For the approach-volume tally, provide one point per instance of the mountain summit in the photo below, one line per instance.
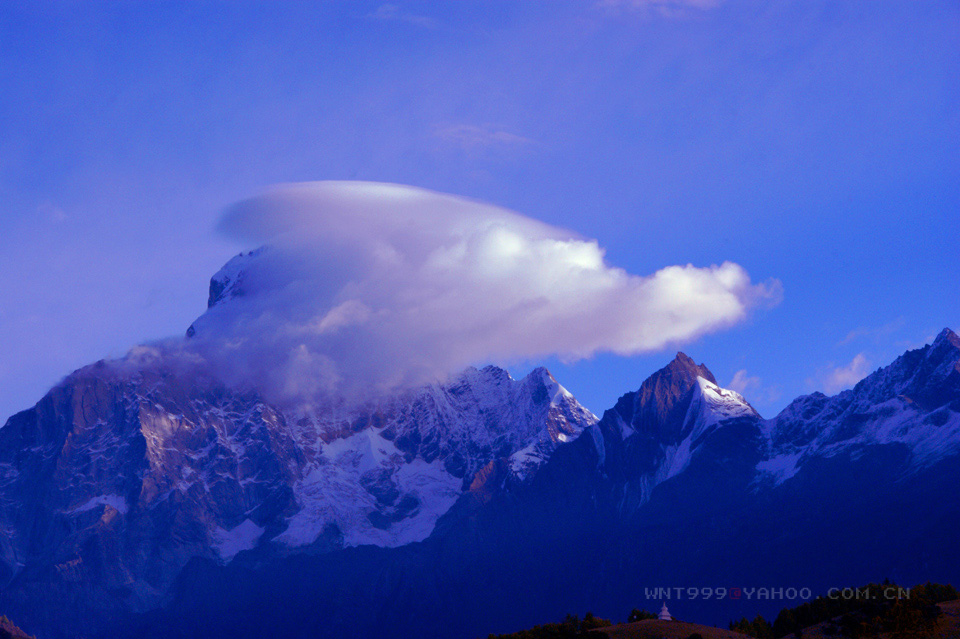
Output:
(655, 409)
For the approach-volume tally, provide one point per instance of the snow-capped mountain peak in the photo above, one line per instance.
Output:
(717, 404)
(556, 393)
(710, 407)
(657, 408)
(387, 484)
(227, 283)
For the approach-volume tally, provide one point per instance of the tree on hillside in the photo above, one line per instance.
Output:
(590, 622)
(639, 615)
(572, 627)
(759, 628)
(906, 613)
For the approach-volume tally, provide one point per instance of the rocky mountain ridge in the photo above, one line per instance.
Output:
(129, 480)
(153, 465)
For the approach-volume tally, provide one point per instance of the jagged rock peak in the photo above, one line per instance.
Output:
(228, 281)
(650, 409)
(662, 390)
(684, 366)
(931, 375)
(947, 341)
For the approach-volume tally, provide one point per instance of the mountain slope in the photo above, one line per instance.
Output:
(134, 485)
(116, 480)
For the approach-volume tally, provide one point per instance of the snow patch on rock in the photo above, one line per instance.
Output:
(228, 543)
(116, 502)
(780, 468)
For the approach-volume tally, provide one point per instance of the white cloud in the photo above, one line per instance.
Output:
(470, 137)
(742, 382)
(50, 212)
(665, 8)
(752, 388)
(378, 285)
(394, 13)
(836, 379)
(874, 333)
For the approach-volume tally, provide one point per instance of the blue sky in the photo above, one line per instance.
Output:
(813, 142)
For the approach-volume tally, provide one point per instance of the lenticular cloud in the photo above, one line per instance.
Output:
(379, 285)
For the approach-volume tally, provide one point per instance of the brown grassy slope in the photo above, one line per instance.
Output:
(948, 626)
(656, 629)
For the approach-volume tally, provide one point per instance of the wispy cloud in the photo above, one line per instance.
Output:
(752, 388)
(394, 13)
(742, 382)
(471, 137)
(50, 212)
(665, 8)
(873, 332)
(911, 344)
(834, 379)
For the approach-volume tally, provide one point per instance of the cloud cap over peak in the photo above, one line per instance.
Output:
(385, 285)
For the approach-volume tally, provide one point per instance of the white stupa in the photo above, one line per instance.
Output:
(664, 613)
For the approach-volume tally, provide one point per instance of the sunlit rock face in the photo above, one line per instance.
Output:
(114, 482)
